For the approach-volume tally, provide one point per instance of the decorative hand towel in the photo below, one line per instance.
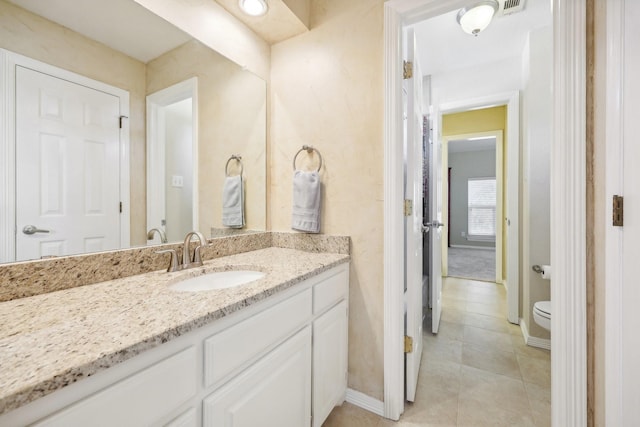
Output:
(306, 201)
(233, 202)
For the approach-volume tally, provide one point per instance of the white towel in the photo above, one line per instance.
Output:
(306, 201)
(233, 202)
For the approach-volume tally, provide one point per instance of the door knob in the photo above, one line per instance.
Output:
(425, 228)
(32, 229)
(434, 224)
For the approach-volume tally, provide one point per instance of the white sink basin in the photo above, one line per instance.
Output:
(217, 280)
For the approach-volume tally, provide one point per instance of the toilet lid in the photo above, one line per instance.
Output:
(543, 308)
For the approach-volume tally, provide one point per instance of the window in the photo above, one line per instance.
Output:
(482, 209)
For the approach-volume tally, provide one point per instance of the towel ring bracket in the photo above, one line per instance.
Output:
(237, 158)
(309, 149)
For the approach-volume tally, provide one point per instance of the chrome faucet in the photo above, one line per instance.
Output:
(163, 237)
(187, 260)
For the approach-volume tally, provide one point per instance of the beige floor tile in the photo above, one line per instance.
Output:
(482, 386)
(496, 310)
(437, 407)
(492, 360)
(349, 415)
(486, 338)
(529, 351)
(453, 316)
(453, 331)
(491, 323)
(473, 371)
(540, 401)
(535, 371)
(514, 330)
(455, 304)
(442, 348)
(474, 412)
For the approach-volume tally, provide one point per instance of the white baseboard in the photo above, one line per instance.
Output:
(484, 248)
(365, 402)
(534, 341)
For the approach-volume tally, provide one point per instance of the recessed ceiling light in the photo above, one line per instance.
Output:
(254, 7)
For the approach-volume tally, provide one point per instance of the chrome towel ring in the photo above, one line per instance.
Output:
(237, 158)
(309, 149)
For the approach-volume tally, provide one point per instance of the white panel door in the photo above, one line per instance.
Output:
(67, 167)
(413, 222)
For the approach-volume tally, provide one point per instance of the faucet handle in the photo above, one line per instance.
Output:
(173, 261)
(197, 257)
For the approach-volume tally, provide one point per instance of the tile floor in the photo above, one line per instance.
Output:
(476, 372)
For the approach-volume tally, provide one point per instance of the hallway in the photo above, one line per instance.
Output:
(476, 372)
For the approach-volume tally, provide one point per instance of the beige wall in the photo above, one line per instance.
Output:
(30, 35)
(327, 91)
(231, 120)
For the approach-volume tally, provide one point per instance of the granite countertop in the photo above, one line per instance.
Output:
(51, 340)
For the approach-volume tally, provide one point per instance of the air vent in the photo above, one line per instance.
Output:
(509, 7)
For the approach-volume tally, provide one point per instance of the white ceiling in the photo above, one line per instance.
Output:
(463, 145)
(443, 46)
(123, 25)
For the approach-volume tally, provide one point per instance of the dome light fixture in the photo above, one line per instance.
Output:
(254, 7)
(477, 17)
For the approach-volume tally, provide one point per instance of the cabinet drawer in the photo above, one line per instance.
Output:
(138, 400)
(226, 352)
(331, 290)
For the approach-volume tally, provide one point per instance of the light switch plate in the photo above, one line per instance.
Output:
(177, 181)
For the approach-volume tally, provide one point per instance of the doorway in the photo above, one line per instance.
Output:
(473, 247)
(568, 177)
(172, 159)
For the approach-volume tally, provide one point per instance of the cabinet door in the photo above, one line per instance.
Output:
(274, 392)
(330, 341)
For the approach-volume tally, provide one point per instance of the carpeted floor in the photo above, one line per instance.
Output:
(476, 264)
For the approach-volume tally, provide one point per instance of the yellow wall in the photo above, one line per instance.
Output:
(327, 91)
(484, 120)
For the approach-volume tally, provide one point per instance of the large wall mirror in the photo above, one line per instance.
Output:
(176, 110)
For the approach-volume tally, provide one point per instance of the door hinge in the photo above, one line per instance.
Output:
(407, 70)
(618, 211)
(120, 120)
(408, 344)
(120, 207)
(408, 207)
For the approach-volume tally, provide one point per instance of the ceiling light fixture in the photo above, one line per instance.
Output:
(254, 7)
(477, 17)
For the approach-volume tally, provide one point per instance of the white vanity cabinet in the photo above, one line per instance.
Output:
(280, 362)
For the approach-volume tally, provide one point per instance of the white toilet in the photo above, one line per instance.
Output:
(542, 309)
(542, 314)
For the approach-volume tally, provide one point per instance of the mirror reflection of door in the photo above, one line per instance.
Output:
(171, 160)
(67, 143)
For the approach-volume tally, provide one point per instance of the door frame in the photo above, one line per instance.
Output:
(156, 103)
(500, 199)
(568, 205)
(8, 62)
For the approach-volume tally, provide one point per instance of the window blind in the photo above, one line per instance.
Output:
(482, 207)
